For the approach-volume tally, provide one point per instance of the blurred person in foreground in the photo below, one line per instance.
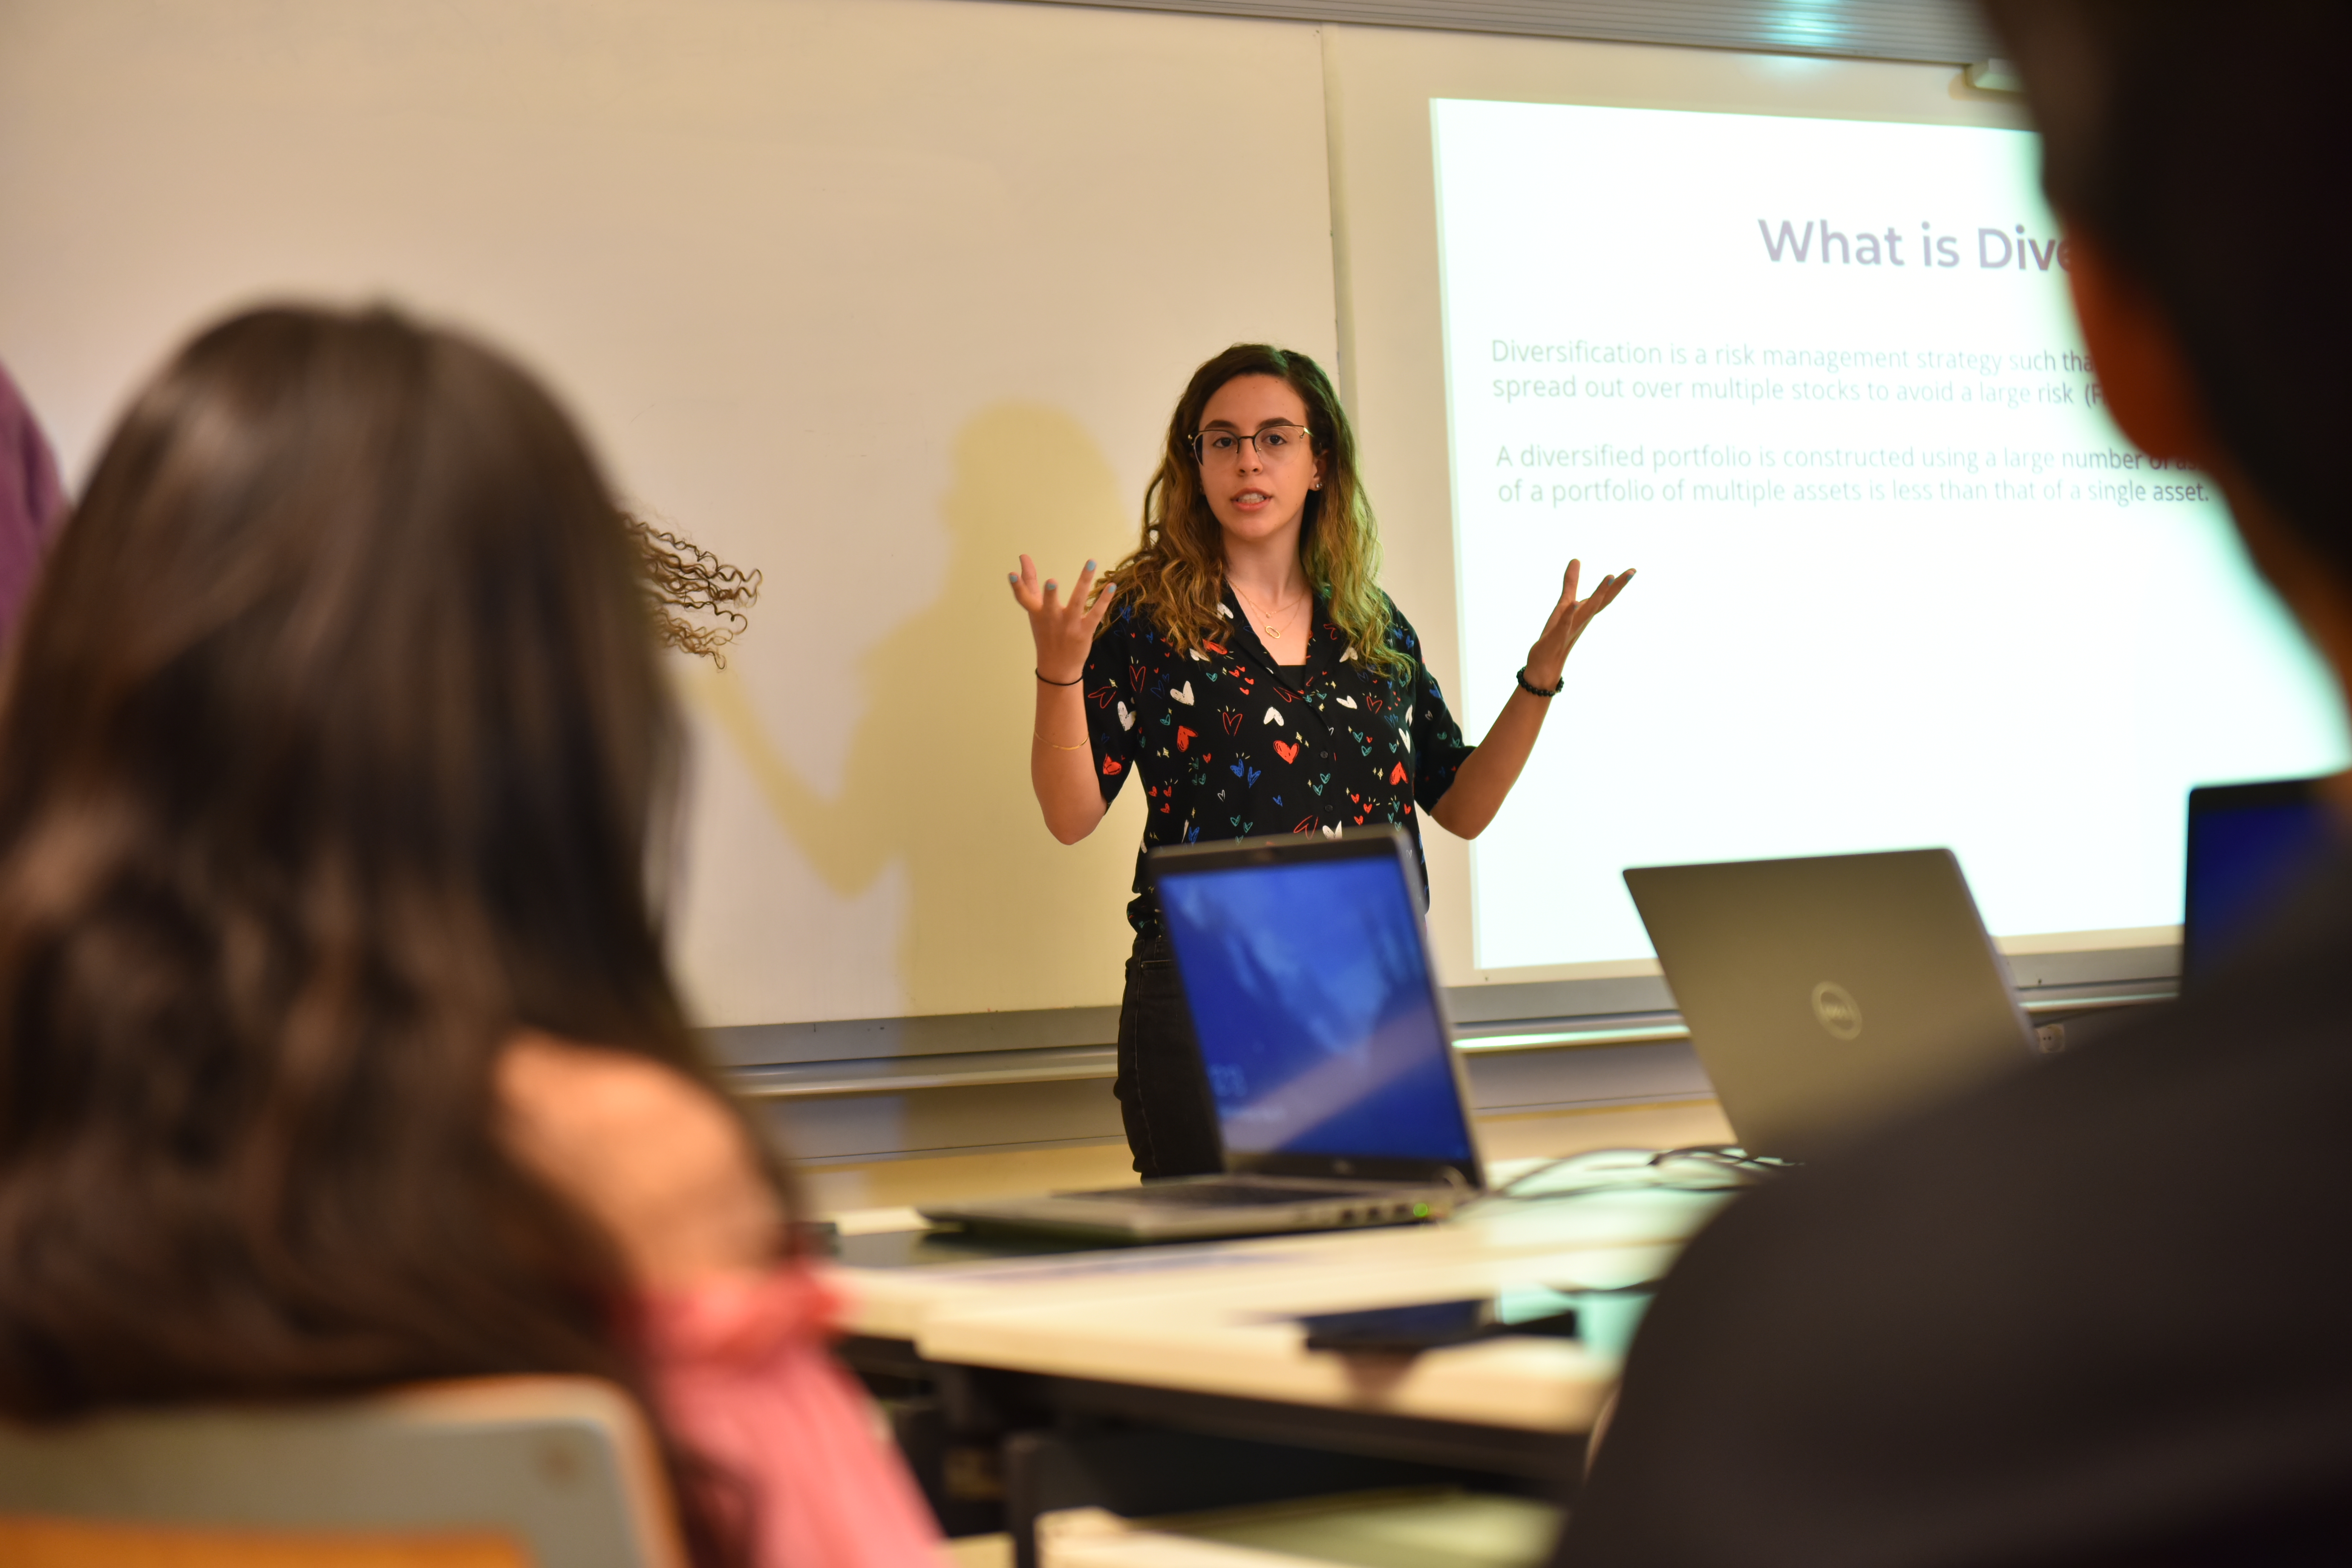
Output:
(2098, 1312)
(337, 1048)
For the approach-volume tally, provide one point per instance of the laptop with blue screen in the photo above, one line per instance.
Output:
(1322, 1034)
(2251, 847)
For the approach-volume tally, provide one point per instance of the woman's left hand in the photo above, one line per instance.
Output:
(1487, 773)
(1569, 618)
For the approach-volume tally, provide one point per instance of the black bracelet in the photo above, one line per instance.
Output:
(1082, 675)
(1533, 691)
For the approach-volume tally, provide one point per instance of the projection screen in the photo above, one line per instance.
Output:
(1791, 338)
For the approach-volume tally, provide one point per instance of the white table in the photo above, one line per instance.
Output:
(1203, 1341)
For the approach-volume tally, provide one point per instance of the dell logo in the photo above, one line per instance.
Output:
(1834, 1006)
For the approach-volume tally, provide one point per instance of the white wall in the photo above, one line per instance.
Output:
(870, 294)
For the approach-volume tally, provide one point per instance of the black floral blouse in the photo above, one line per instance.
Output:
(1232, 745)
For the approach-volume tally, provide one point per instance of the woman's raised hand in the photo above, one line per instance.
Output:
(1064, 632)
(1569, 618)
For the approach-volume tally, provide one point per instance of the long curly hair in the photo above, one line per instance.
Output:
(1177, 573)
(685, 577)
(331, 749)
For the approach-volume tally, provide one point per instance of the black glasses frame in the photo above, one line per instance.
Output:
(1201, 453)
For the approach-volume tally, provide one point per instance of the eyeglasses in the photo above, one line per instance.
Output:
(1275, 444)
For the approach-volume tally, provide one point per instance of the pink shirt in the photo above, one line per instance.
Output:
(744, 1378)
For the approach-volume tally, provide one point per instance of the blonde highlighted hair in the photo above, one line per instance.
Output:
(1177, 573)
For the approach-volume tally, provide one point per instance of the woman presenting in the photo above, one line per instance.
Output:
(1245, 661)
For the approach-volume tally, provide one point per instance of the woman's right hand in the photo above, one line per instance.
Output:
(1061, 763)
(1065, 633)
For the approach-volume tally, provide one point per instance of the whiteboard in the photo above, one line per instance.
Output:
(869, 294)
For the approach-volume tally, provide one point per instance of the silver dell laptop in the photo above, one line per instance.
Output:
(1323, 1038)
(1831, 995)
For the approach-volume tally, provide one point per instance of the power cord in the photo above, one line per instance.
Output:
(1694, 1168)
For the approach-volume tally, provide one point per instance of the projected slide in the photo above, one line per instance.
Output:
(1902, 583)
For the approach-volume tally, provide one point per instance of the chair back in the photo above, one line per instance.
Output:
(486, 1473)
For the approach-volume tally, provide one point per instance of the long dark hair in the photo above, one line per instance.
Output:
(1177, 572)
(330, 755)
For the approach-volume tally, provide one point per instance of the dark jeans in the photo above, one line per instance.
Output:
(1164, 1096)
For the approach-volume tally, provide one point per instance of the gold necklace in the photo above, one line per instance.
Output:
(1265, 618)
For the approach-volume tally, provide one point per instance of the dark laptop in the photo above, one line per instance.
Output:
(1831, 993)
(1323, 1037)
(2249, 846)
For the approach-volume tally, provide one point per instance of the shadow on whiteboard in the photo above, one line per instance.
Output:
(1000, 916)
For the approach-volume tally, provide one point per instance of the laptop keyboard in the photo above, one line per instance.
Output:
(1215, 1195)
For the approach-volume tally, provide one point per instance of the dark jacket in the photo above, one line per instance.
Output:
(2099, 1312)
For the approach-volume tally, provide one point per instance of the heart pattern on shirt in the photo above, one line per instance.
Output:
(1369, 764)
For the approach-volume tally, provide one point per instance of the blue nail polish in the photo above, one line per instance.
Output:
(1090, 565)
(1051, 585)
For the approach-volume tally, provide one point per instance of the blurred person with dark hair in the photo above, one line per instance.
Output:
(337, 1047)
(2095, 1313)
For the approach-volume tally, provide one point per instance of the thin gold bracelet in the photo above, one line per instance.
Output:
(1057, 745)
